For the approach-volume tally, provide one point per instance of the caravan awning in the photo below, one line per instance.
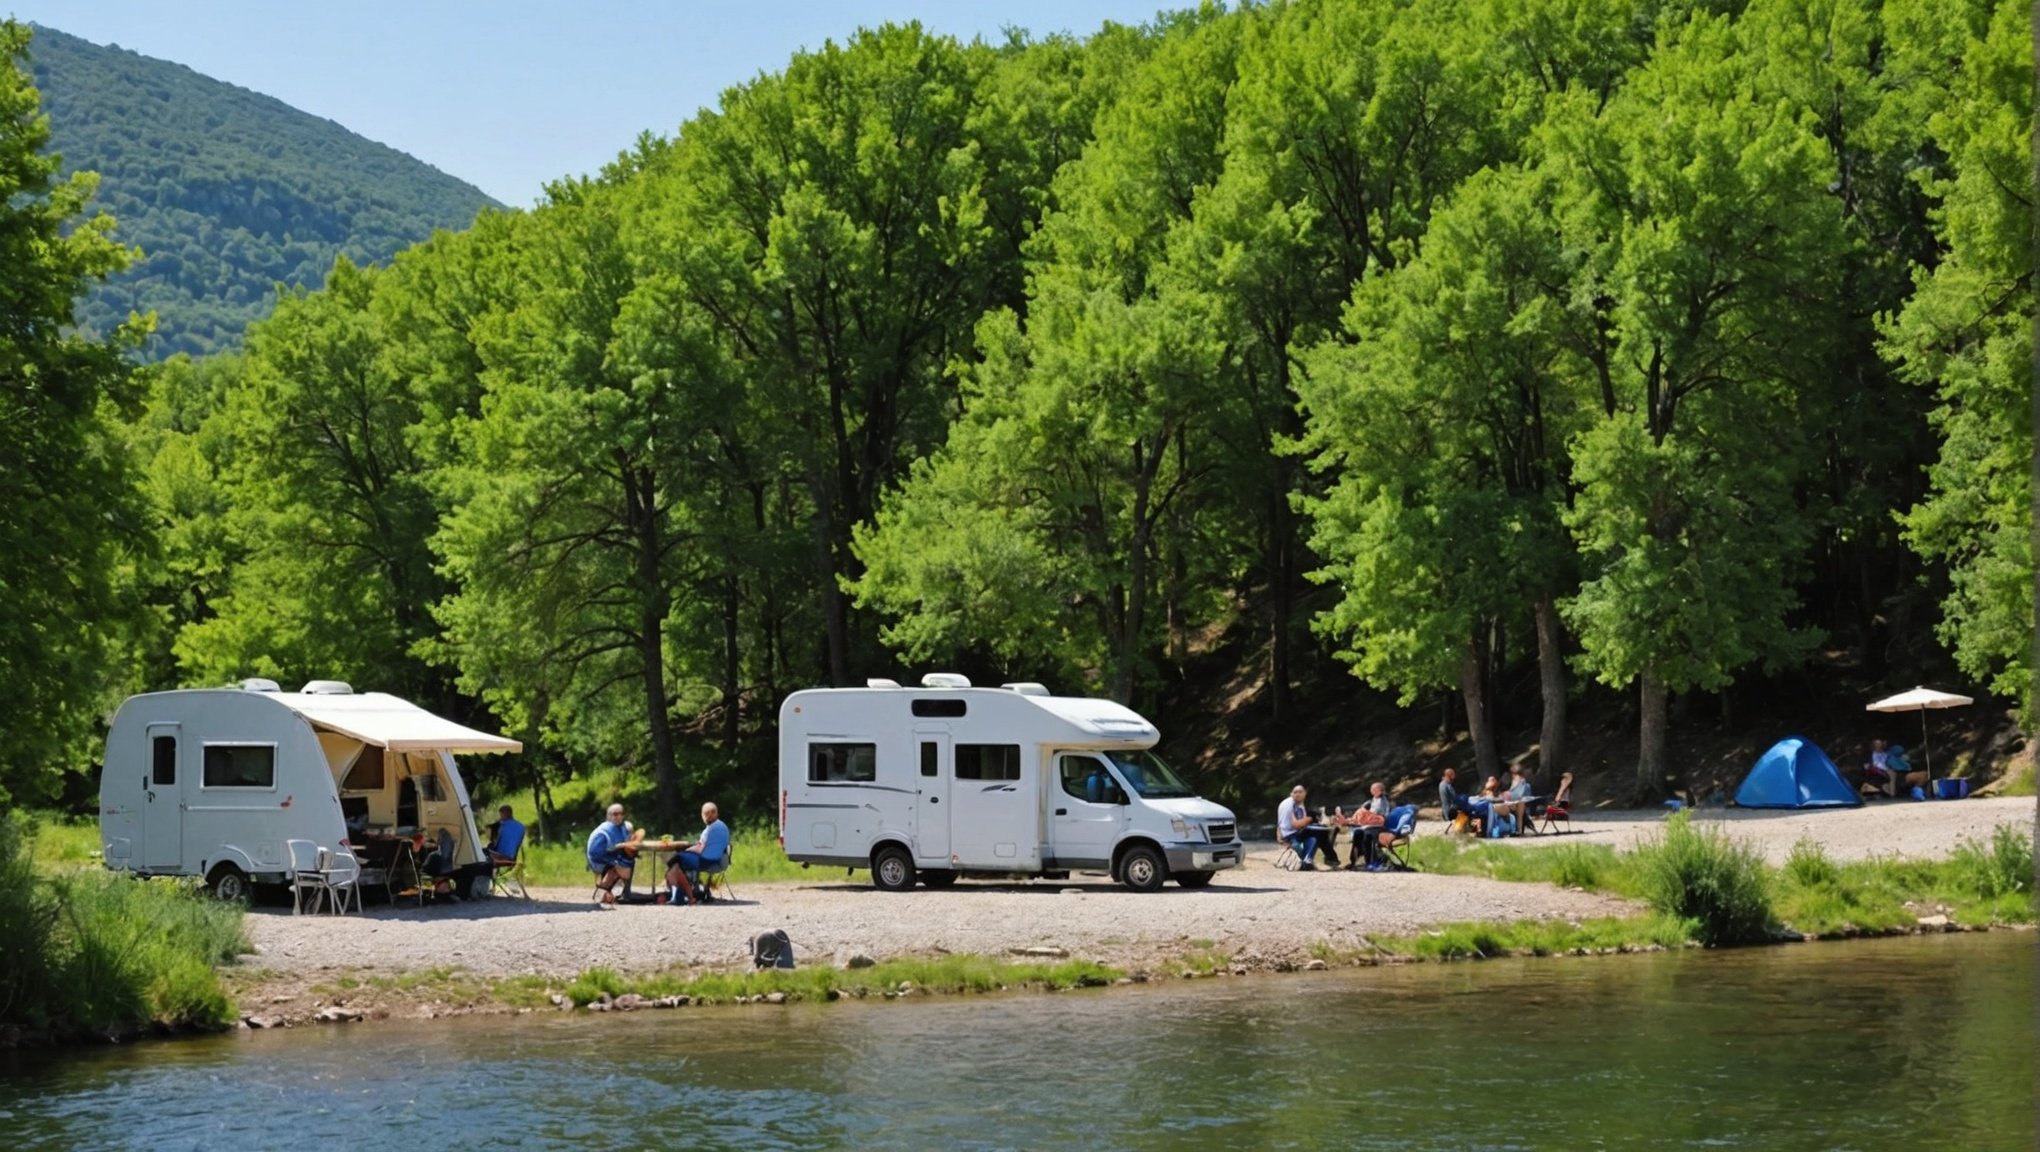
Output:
(389, 722)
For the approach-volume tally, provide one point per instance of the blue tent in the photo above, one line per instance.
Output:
(1795, 773)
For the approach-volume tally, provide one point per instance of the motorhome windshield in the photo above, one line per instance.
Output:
(1145, 773)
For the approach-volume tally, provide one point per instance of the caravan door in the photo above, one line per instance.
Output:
(163, 801)
(994, 814)
(931, 821)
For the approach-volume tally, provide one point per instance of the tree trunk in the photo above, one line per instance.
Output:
(642, 506)
(733, 664)
(1552, 686)
(1651, 757)
(1281, 562)
(1487, 761)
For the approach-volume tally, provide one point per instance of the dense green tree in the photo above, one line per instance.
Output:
(68, 507)
(1966, 334)
(1709, 254)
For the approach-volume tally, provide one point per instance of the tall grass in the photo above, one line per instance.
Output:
(88, 952)
(1713, 880)
(755, 857)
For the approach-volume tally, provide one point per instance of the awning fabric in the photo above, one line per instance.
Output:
(389, 722)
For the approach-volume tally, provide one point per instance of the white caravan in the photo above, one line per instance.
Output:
(215, 782)
(948, 780)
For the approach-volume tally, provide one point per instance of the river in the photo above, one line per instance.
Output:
(1900, 1044)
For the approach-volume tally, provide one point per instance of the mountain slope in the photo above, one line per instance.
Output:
(227, 192)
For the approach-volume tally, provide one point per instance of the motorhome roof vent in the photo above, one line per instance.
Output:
(328, 688)
(1027, 688)
(258, 684)
(945, 680)
(880, 682)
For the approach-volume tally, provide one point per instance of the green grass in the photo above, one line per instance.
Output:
(2020, 783)
(1482, 940)
(85, 952)
(948, 975)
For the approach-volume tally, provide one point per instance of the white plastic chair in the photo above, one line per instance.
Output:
(342, 875)
(308, 875)
(1287, 859)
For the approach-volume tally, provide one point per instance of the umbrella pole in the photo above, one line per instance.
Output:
(1926, 752)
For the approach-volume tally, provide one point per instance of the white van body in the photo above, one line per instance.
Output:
(216, 782)
(949, 780)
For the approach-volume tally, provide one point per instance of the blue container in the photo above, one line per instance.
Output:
(1951, 789)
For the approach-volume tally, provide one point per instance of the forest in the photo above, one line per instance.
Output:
(226, 193)
(1633, 346)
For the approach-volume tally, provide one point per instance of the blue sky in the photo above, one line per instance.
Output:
(511, 94)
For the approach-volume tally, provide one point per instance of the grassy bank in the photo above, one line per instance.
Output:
(1717, 887)
(86, 953)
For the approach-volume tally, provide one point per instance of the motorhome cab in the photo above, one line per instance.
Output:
(947, 780)
(217, 782)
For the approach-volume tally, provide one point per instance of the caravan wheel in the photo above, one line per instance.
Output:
(892, 869)
(229, 883)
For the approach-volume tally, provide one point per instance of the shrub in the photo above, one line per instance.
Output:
(1707, 878)
(1809, 865)
(2004, 867)
(130, 952)
(25, 916)
(1581, 865)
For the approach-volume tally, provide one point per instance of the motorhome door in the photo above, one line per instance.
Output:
(1088, 811)
(163, 800)
(931, 820)
(994, 818)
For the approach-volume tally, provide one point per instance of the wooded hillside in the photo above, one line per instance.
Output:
(228, 193)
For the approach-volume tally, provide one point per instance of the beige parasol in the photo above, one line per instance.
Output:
(1920, 699)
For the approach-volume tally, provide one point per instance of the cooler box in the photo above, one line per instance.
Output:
(1952, 789)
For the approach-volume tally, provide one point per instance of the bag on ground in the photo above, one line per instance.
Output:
(772, 949)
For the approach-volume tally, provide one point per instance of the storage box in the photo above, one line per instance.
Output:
(1951, 789)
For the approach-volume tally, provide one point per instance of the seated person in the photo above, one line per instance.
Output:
(1452, 803)
(1296, 828)
(712, 852)
(612, 853)
(1877, 772)
(1365, 826)
(1903, 774)
(1515, 803)
(506, 836)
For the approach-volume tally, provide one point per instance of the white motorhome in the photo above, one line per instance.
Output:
(948, 780)
(217, 782)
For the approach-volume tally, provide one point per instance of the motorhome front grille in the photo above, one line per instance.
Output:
(1219, 833)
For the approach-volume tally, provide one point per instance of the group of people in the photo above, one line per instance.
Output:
(612, 857)
(1494, 810)
(1367, 828)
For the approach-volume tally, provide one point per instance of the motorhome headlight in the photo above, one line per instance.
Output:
(1185, 829)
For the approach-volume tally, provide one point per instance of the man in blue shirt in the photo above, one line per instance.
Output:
(507, 838)
(612, 853)
(712, 852)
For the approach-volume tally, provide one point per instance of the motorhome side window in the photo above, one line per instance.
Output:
(240, 766)
(947, 709)
(987, 761)
(842, 763)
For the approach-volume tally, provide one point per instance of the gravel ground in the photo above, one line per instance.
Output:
(1256, 910)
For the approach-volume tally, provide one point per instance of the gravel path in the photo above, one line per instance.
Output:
(1256, 910)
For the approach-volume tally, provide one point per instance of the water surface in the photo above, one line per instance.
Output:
(1901, 1044)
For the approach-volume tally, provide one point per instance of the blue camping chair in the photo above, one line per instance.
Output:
(1402, 823)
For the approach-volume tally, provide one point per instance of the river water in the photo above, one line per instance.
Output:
(1908, 1044)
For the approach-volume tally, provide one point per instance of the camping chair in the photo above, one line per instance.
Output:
(508, 879)
(1559, 807)
(343, 879)
(1402, 822)
(308, 876)
(1287, 859)
(714, 880)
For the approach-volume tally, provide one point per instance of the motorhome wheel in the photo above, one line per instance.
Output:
(938, 877)
(892, 869)
(1142, 869)
(228, 883)
(1194, 879)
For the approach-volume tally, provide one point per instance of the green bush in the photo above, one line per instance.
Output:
(26, 913)
(1581, 866)
(2004, 867)
(1707, 878)
(1809, 865)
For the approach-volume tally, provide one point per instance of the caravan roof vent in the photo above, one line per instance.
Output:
(880, 682)
(258, 684)
(945, 680)
(1027, 688)
(328, 688)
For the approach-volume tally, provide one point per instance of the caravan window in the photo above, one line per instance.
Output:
(987, 761)
(240, 765)
(164, 770)
(367, 773)
(842, 763)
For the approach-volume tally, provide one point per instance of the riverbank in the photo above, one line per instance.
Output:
(509, 955)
